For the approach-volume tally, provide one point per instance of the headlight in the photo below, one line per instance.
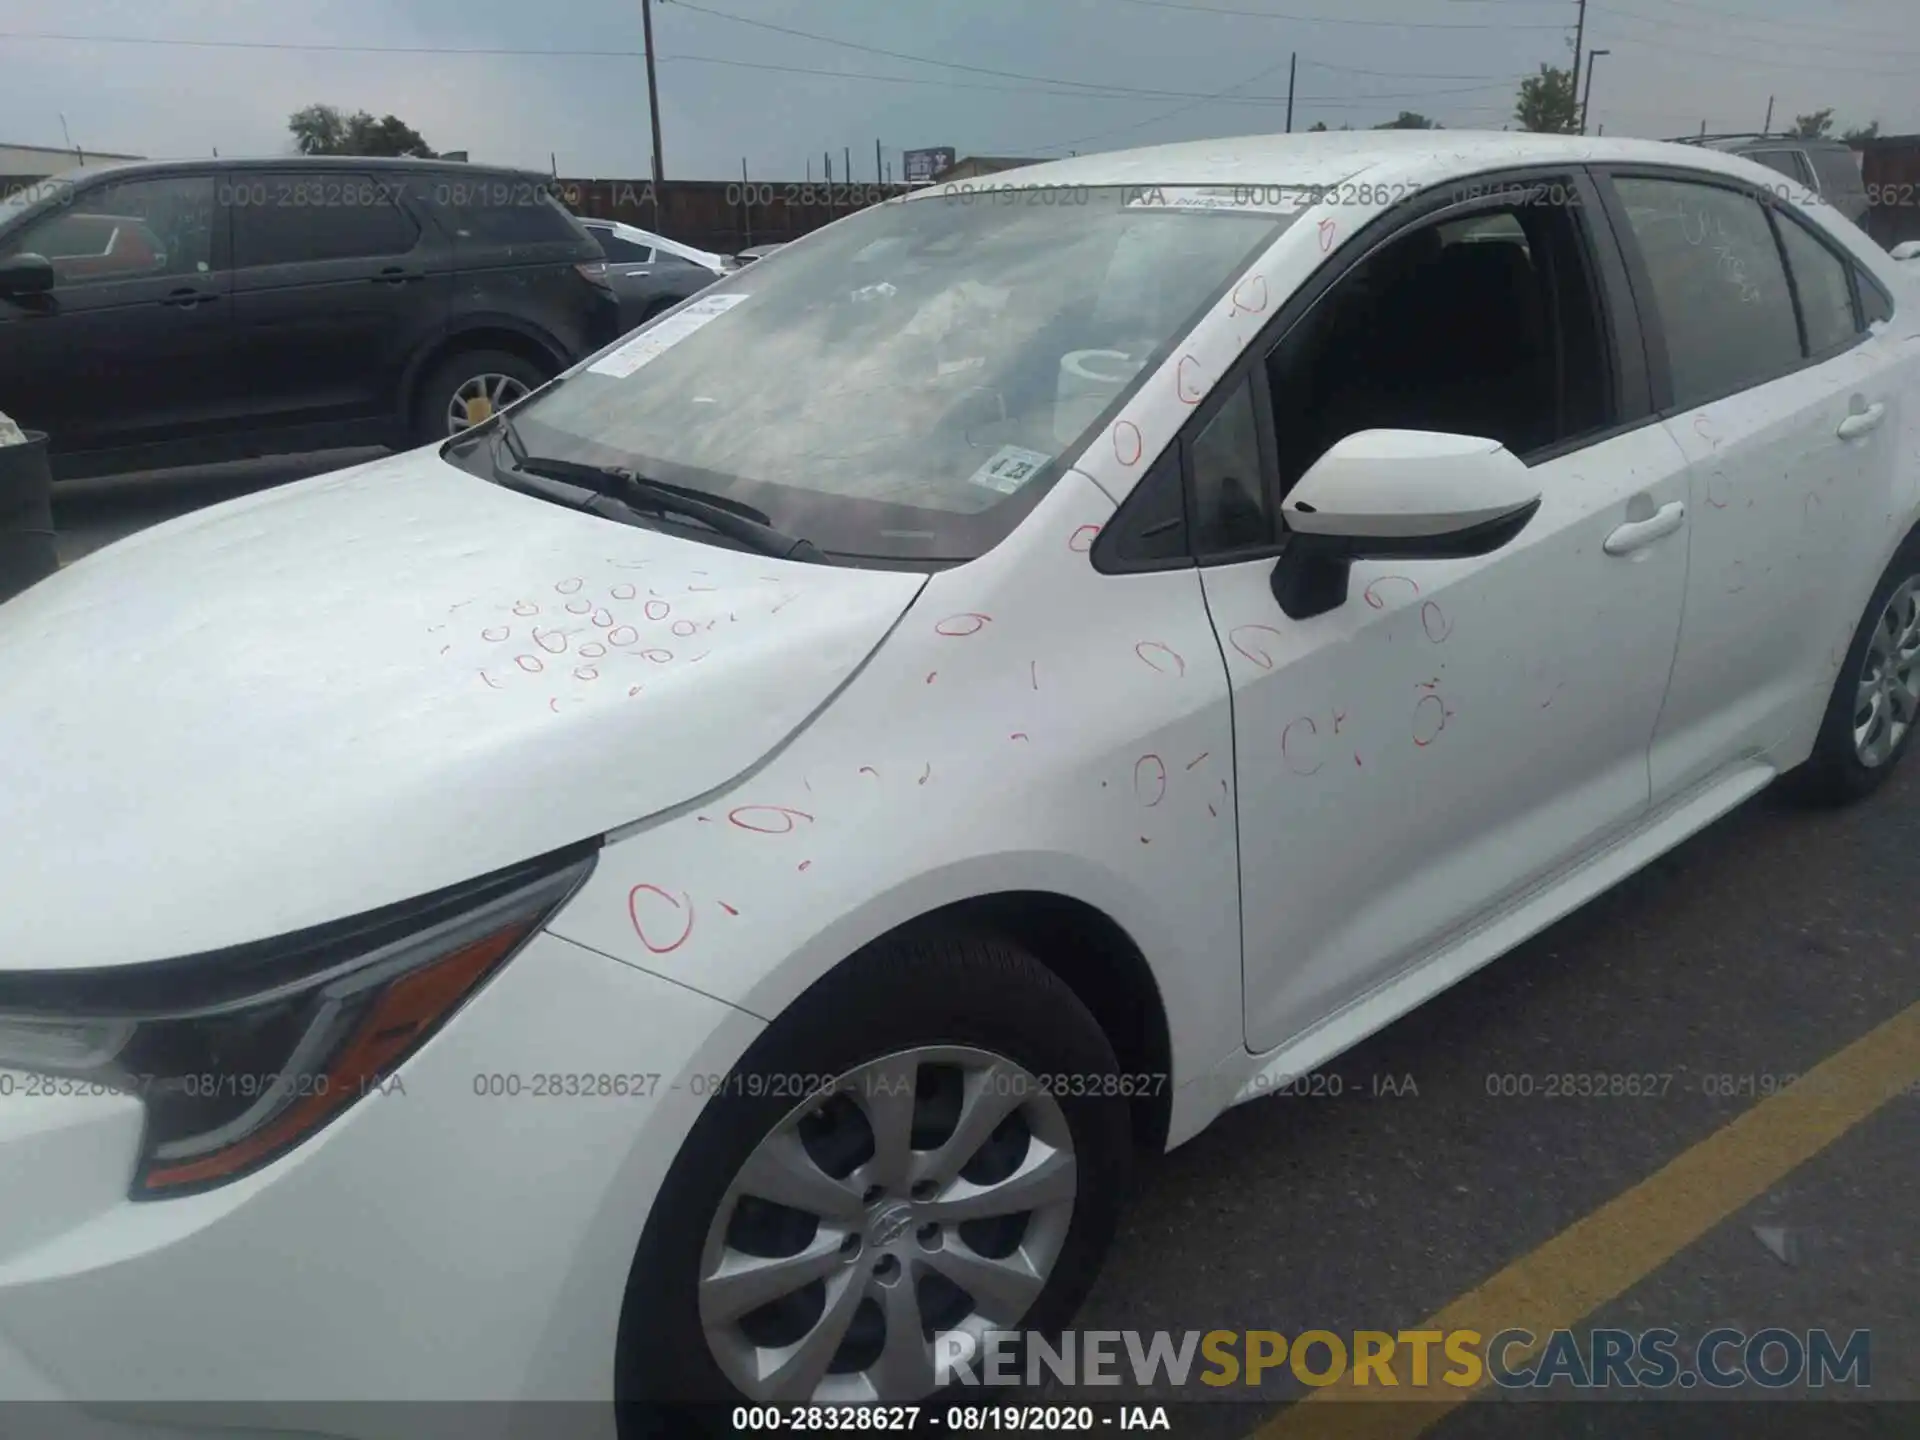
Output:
(242, 1054)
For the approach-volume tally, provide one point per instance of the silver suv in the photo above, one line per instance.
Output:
(1829, 168)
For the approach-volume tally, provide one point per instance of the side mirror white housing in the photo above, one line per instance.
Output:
(1397, 494)
(1906, 250)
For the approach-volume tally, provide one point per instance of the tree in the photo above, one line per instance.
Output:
(1409, 120)
(327, 130)
(1814, 126)
(1546, 102)
(1317, 125)
(1861, 133)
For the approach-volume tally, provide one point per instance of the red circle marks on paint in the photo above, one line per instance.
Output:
(804, 865)
(1187, 388)
(661, 926)
(660, 614)
(1146, 645)
(1372, 593)
(524, 608)
(1287, 742)
(1081, 546)
(1717, 488)
(926, 774)
(1434, 621)
(603, 619)
(1020, 735)
(569, 587)
(1033, 673)
(585, 672)
(529, 663)
(494, 634)
(869, 770)
(632, 690)
(726, 907)
(690, 628)
(1328, 230)
(768, 819)
(1428, 723)
(1258, 652)
(553, 704)
(559, 645)
(492, 684)
(655, 654)
(1150, 775)
(621, 635)
(1127, 444)
(592, 652)
(624, 592)
(579, 607)
(1704, 430)
(1250, 296)
(930, 675)
(702, 589)
(967, 623)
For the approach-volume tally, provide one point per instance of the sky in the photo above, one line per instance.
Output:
(1034, 78)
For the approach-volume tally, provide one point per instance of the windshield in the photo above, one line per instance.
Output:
(905, 384)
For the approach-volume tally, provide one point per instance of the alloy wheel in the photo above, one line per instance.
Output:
(1887, 696)
(479, 398)
(925, 1192)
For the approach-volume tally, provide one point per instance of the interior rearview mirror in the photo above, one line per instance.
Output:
(1399, 495)
(26, 274)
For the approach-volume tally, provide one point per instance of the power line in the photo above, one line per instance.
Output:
(1694, 27)
(1165, 115)
(1327, 19)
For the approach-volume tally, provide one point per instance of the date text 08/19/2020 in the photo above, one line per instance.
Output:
(951, 1420)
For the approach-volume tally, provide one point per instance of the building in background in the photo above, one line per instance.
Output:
(920, 166)
(40, 161)
(974, 166)
(1890, 168)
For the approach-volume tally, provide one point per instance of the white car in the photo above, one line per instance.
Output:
(694, 887)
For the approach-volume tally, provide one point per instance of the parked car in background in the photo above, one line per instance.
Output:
(651, 273)
(159, 313)
(757, 252)
(1829, 168)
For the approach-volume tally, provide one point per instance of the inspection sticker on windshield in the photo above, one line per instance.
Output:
(1009, 469)
(655, 340)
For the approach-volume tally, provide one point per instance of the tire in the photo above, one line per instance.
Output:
(955, 990)
(450, 376)
(1837, 773)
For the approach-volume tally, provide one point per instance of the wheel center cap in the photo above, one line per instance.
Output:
(890, 1222)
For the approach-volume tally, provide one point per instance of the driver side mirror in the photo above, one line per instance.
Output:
(1397, 495)
(1906, 250)
(25, 274)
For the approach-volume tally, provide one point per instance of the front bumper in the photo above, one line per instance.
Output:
(434, 1244)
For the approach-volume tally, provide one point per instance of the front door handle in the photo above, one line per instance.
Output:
(396, 275)
(1636, 534)
(1863, 422)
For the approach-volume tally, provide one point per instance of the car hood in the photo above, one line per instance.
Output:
(363, 687)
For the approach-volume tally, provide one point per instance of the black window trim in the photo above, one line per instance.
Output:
(1653, 324)
(1628, 358)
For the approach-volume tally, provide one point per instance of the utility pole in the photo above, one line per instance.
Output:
(746, 206)
(846, 156)
(653, 102)
(1587, 98)
(1293, 66)
(1579, 36)
(879, 171)
(1766, 126)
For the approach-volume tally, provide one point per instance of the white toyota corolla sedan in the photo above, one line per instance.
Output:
(694, 888)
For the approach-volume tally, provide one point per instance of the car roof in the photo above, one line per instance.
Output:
(1319, 158)
(300, 162)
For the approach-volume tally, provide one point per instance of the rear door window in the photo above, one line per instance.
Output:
(1718, 284)
(502, 210)
(1791, 163)
(1823, 287)
(289, 218)
(620, 249)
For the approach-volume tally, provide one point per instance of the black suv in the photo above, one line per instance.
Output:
(182, 312)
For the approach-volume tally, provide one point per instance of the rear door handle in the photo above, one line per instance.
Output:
(396, 275)
(1863, 422)
(186, 299)
(1636, 534)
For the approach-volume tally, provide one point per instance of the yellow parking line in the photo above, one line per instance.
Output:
(1608, 1252)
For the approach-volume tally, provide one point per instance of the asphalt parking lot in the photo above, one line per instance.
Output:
(1445, 1182)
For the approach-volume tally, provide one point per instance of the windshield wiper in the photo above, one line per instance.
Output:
(722, 515)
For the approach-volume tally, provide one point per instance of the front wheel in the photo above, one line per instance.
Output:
(930, 1143)
(469, 387)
